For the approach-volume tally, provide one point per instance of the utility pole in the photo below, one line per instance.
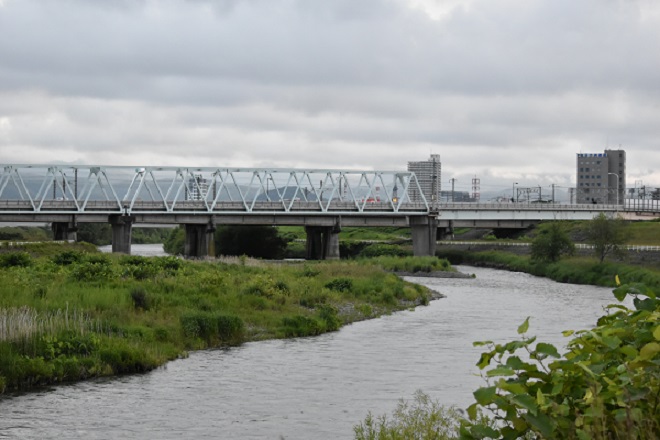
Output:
(553, 193)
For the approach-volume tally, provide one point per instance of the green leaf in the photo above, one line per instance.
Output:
(500, 371)
(481, 431)
(526, 401)
(472, 411)
(656, 333)
(540, 398)
(649, 350)
(621, 292)
(547, 349)
(515, 363)
(481, 343)
(512, 387)
(567, 333)
(524, 327)
(484, 360)
(541, 423)
(485, 395)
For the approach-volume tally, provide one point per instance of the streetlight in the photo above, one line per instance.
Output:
(513, 192)
(617, 186)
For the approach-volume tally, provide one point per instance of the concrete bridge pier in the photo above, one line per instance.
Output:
(322, 242)
(200, 240)
(64, 231)
(122, 227)
(424, 234)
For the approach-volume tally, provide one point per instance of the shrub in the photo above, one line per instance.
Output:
(379, 249)
(301, 325)
(340, 284)
(606, 386)
(92, 271)
(15, 259)
(213, 327)
(329, 315)
(67, 258)
(140, 298)
(424, 418)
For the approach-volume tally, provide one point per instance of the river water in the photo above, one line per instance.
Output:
(313, 388)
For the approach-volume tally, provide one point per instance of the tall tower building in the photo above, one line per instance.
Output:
(601, 177)
(429, 177)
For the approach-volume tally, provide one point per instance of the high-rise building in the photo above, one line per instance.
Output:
(601, 177)
(428, 175)
(197, 188)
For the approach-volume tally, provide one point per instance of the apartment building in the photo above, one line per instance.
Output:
(429, 173)
(601, 177)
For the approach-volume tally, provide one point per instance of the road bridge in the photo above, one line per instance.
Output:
(323, 201)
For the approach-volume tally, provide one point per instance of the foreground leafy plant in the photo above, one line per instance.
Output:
(423, 419)
(607, 385)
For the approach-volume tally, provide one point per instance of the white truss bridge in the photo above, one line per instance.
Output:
(84, 189)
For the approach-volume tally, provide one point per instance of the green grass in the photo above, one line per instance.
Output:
(70, 316)
(576, 270)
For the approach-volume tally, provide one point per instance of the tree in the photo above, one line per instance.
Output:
(607, 235)
(551, 243)
(99, 234)
(253, 241)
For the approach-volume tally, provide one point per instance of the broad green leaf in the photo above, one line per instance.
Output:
(472, 411)
(481, 431)
(500, 371)
(567, 333)
(547, 349)
(656, 333)
(649, 350)
(620, 292)
(648, 304)
(526, 401)
(485, 395)
(524, 327)
(515, 363)
(512, 387)
(541, 423)
(540, 398)
(484, 360)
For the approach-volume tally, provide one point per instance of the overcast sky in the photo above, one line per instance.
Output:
(504, 90)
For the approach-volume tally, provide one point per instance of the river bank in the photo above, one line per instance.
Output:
(75, 316)
(576, 270)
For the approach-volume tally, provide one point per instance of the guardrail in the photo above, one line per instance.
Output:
(631, 247)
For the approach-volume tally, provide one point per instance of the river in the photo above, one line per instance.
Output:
(319, 387)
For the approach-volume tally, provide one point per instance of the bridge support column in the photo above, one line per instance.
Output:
(322, 242)
(424, 232)
(64, 231)
(200, 241)
(122, 227)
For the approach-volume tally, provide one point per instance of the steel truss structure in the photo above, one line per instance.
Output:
(81, 189)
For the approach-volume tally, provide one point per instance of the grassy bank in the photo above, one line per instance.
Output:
(74, 315)
(576, 270)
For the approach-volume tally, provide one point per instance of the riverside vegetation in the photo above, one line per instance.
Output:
(74, 315)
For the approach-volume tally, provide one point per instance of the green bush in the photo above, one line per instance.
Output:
(379, 250)
(141, 299)
(423, 419)
(67, 258)
(213, 327)
(340, 284)
(606, 386)
(15, 259)
(301, 325)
